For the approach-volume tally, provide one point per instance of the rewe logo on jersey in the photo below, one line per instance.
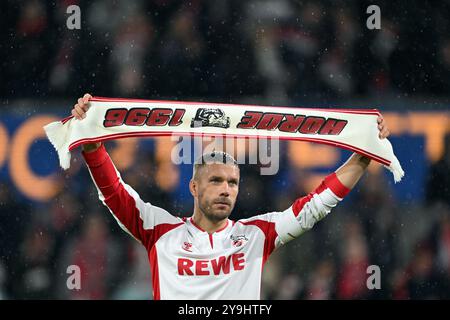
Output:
(220, 265)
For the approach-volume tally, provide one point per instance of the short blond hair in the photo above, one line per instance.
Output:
(213, 157)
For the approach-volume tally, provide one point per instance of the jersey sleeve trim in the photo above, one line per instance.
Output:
(270, 234)
(133, 215)
(336, 186)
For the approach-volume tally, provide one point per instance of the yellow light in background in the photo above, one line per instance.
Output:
(397, 123)
(310, 155)
(434, 126)
(163, 149)
(167, 174)
(124, 153)
(33, 186)
(3, 144)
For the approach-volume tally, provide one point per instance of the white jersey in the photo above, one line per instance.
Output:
(187, 262)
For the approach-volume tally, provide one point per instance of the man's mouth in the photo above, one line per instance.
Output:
(224, 203)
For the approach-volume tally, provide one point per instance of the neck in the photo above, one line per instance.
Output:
(206, 224)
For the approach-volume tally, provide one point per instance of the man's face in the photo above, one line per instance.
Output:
(215, 189)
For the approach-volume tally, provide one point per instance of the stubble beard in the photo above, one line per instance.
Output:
(212, 214)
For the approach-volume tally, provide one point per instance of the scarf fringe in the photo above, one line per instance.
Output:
(396, 169)
(57, 134)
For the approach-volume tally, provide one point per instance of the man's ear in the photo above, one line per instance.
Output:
(193, 187)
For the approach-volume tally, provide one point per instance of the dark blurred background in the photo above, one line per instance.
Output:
(273, 52)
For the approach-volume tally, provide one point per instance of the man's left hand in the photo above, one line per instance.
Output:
(382, 126)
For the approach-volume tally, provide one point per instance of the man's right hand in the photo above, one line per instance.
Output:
(79, 112)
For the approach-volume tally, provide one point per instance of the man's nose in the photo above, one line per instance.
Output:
(225, 192)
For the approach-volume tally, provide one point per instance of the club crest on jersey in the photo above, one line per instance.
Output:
(187, 246)
(238, 240)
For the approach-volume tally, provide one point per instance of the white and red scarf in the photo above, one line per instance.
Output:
(109, 118)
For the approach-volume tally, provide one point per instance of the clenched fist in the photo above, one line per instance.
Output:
(79, 112)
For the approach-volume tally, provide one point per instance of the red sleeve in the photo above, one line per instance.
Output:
(102, 169)
(115, 196)
(335, 185)
(270, 234)
(145, 222)
(330, 182)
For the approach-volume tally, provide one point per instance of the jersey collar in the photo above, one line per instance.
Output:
(198, 229)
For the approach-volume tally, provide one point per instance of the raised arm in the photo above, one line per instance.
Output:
(353, 169)
(142, 220)
(306, 211)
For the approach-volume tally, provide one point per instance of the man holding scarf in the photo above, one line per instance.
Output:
(208, 255)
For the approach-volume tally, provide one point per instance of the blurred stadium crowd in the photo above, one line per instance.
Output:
(225, 49)
(279, 51)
